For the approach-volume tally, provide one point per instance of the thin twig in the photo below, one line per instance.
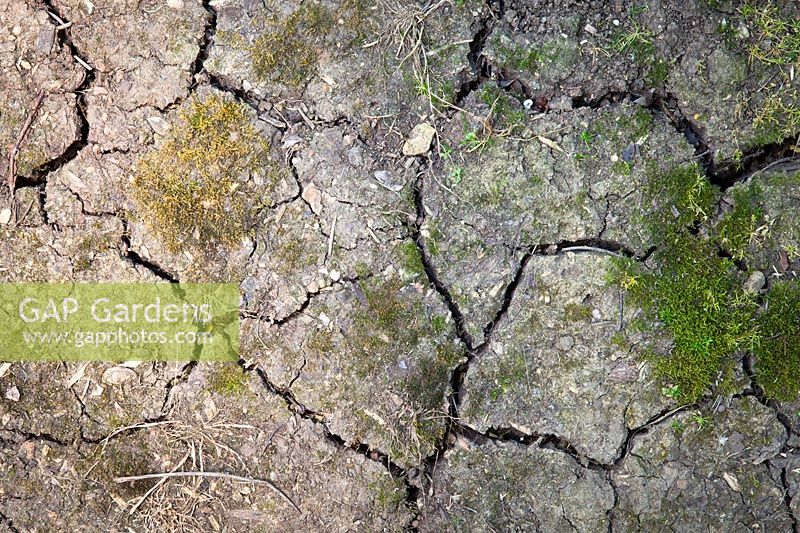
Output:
(592, 249)
(222, 475)
(777, 162)
(12, 155)
(19, 220)
(330, 239)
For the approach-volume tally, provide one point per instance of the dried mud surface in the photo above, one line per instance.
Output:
(429, 338)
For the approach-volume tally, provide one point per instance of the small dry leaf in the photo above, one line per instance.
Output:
(314, 198)
(328, 80)
(159, 125)
(624, 373)
(13, 394)
(375, 417)
(77, 375)
(550, 144)
(210, 408)
(732, 482)
(291, 140)
(783, 260)
(117, 375)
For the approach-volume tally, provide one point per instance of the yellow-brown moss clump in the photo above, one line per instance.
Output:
(193, 191)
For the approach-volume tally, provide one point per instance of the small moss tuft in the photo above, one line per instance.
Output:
(680, 197)
(289, 52)
(577, 312)
(658, 73)
(778, 39)
(520, 58)
(774, 44)
(506, 111)
(439, 324)
(412, 259)
(742, 226)
(229, 380)
(637, 41)
(778, 117)
(638, 124)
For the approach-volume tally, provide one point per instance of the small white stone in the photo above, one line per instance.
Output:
(5, 216)
(565, 343)
(324, 319)
(419, 140)
(175, 4)
(335, 275)
(742, 32)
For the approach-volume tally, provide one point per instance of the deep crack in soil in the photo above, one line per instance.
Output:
(64, 35)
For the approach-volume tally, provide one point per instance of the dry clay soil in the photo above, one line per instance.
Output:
(429, 340)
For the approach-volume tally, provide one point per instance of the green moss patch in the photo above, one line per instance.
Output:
(778, 352)
(695, 296)
(679, 197)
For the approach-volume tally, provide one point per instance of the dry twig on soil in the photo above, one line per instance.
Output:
(12, 154)
(221, 475)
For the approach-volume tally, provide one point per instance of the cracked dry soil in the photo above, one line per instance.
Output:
(430, 340)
